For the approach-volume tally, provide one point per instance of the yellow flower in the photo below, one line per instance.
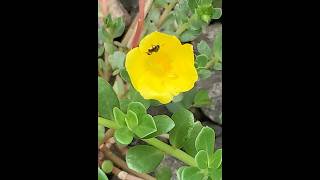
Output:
(161, 67)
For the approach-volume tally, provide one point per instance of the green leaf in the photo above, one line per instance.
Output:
(100, 51)
(102, 175)
(189, 35)
(108, 21)
(179, 172)
(202, 159)
(217, 159)
(181, 12)
(201, 98)
(101, 131)
(119, 117)
(146, 126)
(163, 124)
(189, 146)
(192, 173)
(163, 173)
(123, 135)
(135, 96)
(154, 102)
(103, 35)
(102, 66)
(193, 4)
(143, 158)
(215, 174)
(131, 120)
(204, 48)
(205, 141)
(178, 98)
(195, 22)
(205, 2)
(107, 166)
(217, 13)
(161, 3)
(205, 12)
(201, 60)
(124, 75)
(107, 99)
(124, 104)
(167, 24)
(217, 66)
(204, 73)
(137, 108)
(117, 60)
(217, 46)
(188, 98)
(183, 120)
(153, 15)
(175, 106)
(119, 26)
(118, 87)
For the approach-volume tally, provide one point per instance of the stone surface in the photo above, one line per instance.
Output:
(208, 34)
(214, 86)
(173, 164)
(217, 128)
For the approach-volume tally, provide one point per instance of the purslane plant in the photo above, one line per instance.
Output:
(160, 71)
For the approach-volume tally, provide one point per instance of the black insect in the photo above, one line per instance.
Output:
(153, 49)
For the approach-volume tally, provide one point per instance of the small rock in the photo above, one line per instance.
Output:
(158, 110)
(217, 128)
(218, 143)
(173, 164)
(214, 86)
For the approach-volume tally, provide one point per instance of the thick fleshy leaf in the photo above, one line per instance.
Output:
(217, 158)
(163, 123)
(107, 166)
(119, 117)
(107, 99)
(192, 173)
(183, 120)
(201, 98)
(123, 135)
(102, 175)
(205, 141)
(101, 130)
(131, 120)
(137, 108)
(144, 158)
(146, 126)
(202, 159)
(189, 146)
(204, 48)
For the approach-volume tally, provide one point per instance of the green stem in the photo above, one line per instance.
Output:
(171, 151)
(166, 12)
(177, 153)
(182, 28)
(107, 123)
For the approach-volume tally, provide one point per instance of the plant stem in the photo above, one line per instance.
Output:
(107, 123)
(166, 12)
(182, 28)
(123, 165)
(177, 153)
(139, 29)
(171, 151)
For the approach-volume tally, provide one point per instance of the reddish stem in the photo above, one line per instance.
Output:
(103, 6)
(137, 35)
